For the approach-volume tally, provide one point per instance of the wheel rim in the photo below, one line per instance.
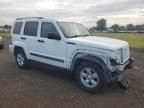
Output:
(20, 59)
(89, 77)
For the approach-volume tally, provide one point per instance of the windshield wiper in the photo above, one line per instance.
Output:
(75, 36)
(79, 35)
(86, 35)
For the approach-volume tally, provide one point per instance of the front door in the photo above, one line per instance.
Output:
(50, 51)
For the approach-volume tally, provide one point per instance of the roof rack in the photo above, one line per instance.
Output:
(29, 18)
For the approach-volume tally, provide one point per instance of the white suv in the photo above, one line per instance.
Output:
(94, 61)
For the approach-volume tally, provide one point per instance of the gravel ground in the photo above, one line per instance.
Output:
(39, 87)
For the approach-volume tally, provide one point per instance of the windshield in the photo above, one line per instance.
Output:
(71, 29)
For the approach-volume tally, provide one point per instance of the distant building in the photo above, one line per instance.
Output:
(110, 30)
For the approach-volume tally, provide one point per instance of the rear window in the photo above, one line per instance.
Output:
(17, 28)
(31, 28)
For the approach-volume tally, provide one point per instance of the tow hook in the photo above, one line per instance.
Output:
(123, 84)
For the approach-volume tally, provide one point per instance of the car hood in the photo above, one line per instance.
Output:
(99, 42)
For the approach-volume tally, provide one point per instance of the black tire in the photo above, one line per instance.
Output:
(100, 80)
(1, 46)
(25, 63)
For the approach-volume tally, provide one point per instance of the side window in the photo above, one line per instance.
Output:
(17, 28)
(31, 28)
(46, 28)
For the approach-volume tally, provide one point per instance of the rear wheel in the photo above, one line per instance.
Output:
(90, 77)
(21, 59)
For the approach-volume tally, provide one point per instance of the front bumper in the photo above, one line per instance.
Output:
(119, 72)
(127, 65)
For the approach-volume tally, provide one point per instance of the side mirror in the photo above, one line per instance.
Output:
(54, 36)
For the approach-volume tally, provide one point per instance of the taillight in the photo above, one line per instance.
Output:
(10, 40)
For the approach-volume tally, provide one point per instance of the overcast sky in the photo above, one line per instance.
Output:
(84, 11)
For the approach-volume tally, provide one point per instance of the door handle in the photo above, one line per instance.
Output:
(42, 41)
(23, 38)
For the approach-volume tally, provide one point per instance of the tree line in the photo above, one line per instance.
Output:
(101, 25)
(6, 26)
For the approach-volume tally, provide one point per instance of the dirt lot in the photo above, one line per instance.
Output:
(43, 88)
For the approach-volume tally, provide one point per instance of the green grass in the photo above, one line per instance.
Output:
(4, 34)
(136, 41)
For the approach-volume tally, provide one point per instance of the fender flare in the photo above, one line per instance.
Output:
(91, 58)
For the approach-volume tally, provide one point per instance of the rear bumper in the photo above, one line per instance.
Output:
(11, 49)
(119, 73)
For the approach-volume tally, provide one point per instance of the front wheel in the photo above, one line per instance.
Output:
(21, 59)
(90, 77)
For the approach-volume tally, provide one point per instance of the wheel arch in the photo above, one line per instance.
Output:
(18, 46)
(80, 57)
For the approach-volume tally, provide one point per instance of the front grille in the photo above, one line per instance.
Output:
(125, 54)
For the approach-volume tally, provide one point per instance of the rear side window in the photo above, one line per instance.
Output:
(17, 28)
(31, 28)
(46, 28)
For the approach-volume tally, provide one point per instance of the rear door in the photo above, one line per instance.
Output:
(29, 36)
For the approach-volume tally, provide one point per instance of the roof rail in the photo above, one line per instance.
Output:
(29, 18)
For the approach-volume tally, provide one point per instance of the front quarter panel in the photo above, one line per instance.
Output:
(74, 49)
